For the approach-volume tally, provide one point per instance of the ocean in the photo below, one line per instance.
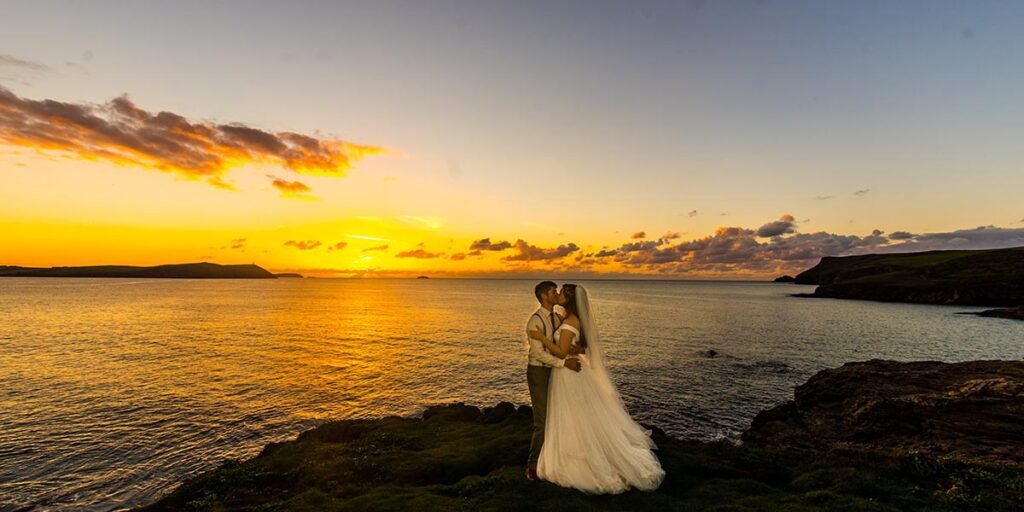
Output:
(113, 391)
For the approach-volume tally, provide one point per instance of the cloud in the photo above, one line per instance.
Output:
(303, 245)
(457, 256)
(122, 133)
(238, 243)
(785, 224)
(672, 235)
(338, 246)
(981, 237)
(419, 254)
(484, 244)
(639, 235)
(474, 253)
(862, 192)
(292, 189)
(822, 198)
(7, 61)
(738, 251)
(376, 248)
(692, 213)
(527, 252)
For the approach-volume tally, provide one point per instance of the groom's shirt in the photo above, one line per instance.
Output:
(548, 321)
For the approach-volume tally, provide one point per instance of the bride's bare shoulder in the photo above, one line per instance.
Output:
(573, 320)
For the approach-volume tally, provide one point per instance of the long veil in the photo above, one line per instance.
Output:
(595, 357)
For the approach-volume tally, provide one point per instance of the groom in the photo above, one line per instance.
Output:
(538, 370)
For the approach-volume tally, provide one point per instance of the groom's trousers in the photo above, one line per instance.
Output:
(537, 378)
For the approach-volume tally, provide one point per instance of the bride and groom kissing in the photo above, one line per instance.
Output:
(583, 437)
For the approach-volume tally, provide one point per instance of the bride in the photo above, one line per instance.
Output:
(590, 441)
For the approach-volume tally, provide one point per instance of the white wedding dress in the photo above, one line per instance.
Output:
(590, 441)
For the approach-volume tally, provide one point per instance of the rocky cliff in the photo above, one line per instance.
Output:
(972, 411)
(968, 278)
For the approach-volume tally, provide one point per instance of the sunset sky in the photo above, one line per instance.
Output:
(680, 140)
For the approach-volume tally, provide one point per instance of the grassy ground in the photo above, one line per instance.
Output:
(457, 459)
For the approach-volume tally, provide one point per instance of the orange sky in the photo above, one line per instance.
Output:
(681, 141)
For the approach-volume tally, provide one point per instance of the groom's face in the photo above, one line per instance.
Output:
(552, 296)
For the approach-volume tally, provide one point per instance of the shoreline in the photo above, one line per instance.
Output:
(794, 456)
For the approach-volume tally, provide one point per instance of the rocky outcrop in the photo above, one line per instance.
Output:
(969, 278)
(459, 457)
(984, 278)
(1010, 313)
(973, 411)
(784, 279)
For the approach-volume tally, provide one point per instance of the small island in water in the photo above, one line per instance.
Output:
(201, 270)
(874, 435)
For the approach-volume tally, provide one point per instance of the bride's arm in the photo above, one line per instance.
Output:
(556, 350)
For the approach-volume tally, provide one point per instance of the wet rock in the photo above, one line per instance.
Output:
(972, 411)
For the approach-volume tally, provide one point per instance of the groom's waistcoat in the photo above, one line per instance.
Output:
(539, 356)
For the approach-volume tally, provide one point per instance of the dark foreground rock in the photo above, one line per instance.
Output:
(784, 279)
(457, 457)
(968, 278)
(972, 411)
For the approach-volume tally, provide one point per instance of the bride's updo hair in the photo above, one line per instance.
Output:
(570, 307)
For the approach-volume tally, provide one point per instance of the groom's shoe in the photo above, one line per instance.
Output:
(531, 474)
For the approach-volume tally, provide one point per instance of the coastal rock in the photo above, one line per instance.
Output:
(969, 278)
(784, 279)
(972, 411)
(1010, 313)
(459, 457)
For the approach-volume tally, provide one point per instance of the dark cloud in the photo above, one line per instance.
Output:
(737, 251)
(474, 253)
(303, 245)
(419, 254)
(122, 133)
(672, 235)
(692, 213)
(862, 192)
(785, 224)
(457, 256)
(639, 235)
(485, 244)
(338, 246)
(981, 237)
(292, 189)
(822, 198)
(238, 243)
(376, 248)
(527, 252)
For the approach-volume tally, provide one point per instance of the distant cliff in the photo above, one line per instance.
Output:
(968, 278)
(182, 271)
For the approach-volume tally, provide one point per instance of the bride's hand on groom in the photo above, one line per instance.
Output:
(576, 350)
(572, 363)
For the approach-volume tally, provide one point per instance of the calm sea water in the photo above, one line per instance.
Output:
(112, 391)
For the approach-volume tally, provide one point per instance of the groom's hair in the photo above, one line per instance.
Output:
(542, 288)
